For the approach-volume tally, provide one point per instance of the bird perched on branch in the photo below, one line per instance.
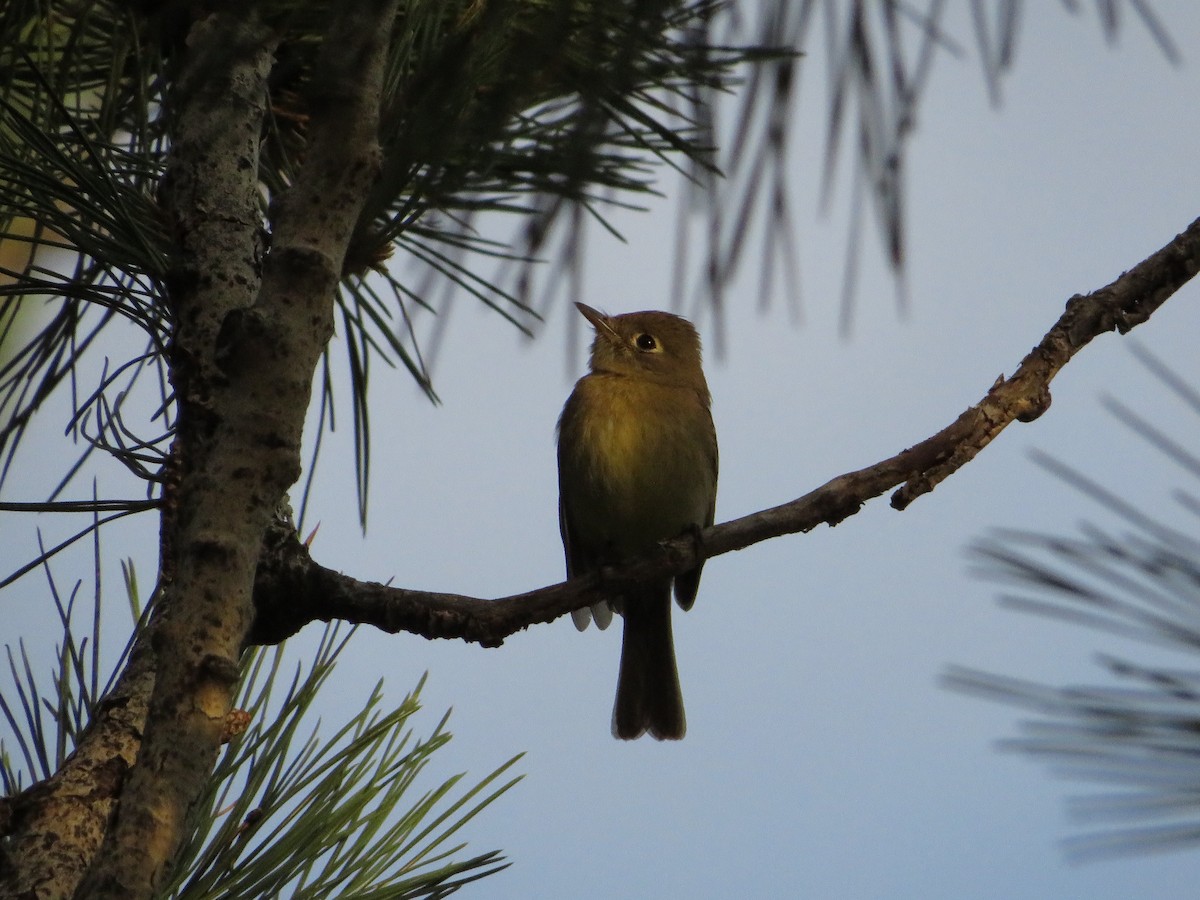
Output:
(637, 464)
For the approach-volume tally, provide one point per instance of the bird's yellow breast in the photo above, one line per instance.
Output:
(637, 461)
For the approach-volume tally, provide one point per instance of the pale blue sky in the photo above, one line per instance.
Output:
(822, 759)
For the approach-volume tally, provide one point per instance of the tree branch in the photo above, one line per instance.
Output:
(292, 590)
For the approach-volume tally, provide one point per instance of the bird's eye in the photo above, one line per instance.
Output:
(645, 342)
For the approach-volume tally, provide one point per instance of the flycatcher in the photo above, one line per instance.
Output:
(637, 464)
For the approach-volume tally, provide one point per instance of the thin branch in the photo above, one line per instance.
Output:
(292, 590)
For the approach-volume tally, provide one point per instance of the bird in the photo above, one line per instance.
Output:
(637, 465)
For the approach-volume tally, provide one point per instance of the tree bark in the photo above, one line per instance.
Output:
(249, 331)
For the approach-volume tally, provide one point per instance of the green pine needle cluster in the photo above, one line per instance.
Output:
(1137, 732)
(291, 809)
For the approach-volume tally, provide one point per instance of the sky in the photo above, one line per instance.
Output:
(823, 758)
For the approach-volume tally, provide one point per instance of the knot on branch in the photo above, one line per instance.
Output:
(1030, 406)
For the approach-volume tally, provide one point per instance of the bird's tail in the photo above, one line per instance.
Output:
(648, 693)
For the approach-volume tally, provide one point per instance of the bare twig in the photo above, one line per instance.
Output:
(292, 590)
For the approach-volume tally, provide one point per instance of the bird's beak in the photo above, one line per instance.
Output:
(599, 321)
